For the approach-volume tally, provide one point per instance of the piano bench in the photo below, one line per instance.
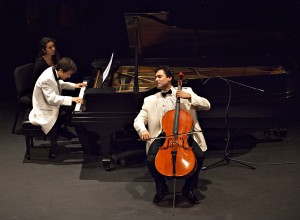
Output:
(33, 131)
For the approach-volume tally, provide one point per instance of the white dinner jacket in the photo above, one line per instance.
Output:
(46, 100)
(151, 114)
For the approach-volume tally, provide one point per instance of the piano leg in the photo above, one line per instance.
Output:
(107, 163)
(88, 139)
(96, 139)
(106, 133)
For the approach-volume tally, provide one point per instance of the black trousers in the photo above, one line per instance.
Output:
(191, 182)
(64, 118)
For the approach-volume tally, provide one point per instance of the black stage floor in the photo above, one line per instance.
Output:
(75, 186)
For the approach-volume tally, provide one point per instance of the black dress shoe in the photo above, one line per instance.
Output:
(190, 196)
(160, 195)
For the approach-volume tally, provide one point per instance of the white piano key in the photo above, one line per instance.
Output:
(81, 94)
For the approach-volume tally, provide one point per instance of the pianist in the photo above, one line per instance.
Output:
(151, 114)
(47, 98)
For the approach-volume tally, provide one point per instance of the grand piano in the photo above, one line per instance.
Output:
(248, 76)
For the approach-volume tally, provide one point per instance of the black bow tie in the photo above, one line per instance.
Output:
(163, 93)
(56, 77)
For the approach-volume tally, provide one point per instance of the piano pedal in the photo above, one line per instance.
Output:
(108, 164)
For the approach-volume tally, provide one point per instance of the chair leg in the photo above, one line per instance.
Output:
(53, 145)
(16, 120)
(29, 144)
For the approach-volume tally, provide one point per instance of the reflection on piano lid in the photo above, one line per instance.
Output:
(159, 37)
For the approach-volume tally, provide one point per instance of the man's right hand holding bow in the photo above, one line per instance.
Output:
(145, 136)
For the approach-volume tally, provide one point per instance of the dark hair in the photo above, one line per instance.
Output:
(66, 64)
(43, 43)
(167, 71)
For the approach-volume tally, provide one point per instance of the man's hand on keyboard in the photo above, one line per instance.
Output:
(77, 100)
(79, 85)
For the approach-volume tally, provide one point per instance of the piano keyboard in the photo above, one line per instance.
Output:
(81, 94)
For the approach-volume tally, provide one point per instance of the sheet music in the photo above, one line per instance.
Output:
(81, 94)
(106, 71)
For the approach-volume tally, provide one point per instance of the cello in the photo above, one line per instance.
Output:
(175, 158)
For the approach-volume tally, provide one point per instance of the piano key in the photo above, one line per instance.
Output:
(81, 94)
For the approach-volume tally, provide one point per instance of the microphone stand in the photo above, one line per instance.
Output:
(227, 157)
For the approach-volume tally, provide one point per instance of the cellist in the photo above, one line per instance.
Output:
(151, 114)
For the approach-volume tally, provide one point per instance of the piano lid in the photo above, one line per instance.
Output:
(158, 35)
